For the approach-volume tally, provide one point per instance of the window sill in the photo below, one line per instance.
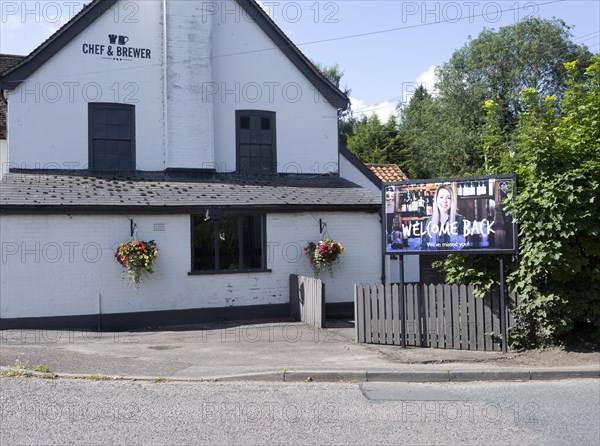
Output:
(227, 271)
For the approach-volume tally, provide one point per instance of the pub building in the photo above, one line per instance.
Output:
(209, 133)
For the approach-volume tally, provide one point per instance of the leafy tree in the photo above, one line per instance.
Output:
(498, 65)
(418, 114)
(334, 75)
(443, 133)
(346, 128)
(374, 142)
(557, 159)
(432, 137)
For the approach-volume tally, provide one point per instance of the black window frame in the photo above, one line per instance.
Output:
(273, 124)
(92, 107)
(214, 216)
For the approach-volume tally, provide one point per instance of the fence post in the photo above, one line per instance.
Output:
(356, 319)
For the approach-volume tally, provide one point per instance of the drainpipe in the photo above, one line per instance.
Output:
(383, 255)
(165, 86)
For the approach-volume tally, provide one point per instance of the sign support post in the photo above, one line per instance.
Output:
(502, 304)
(436, 216)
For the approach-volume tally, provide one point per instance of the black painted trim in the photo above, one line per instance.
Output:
(148, 319)
(339, 310)
(227, 271)
(38, 57)
(170, 210)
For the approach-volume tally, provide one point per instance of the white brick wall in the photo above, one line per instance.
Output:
(358, 232)
(59, 265)
(189, 52)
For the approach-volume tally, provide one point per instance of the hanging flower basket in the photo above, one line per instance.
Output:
(137, 258)
(323, 254)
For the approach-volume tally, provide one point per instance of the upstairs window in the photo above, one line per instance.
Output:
(228, 243)
(256, 144)
(111, 137)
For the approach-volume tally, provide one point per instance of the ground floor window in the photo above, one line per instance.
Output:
(223, 242)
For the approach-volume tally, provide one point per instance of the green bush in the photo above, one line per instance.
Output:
(557, 159)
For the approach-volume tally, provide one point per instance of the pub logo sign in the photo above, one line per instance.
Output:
(116, 49)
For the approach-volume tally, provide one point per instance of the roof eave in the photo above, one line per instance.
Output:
(168, 209)
(12, 78)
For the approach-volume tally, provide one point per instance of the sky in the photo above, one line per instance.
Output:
(384, 48)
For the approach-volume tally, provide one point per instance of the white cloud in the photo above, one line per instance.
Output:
(387, 108)
(427, 79)
(383, 109)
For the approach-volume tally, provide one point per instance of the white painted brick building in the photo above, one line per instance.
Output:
(183, 121)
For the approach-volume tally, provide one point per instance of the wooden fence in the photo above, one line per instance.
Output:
(442, 316)
(307, 300)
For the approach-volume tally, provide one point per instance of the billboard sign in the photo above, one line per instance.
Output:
(449, 216)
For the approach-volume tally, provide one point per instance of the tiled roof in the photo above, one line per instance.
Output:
(151, 191)
(388, 173)
(9, 60)
(6, 61)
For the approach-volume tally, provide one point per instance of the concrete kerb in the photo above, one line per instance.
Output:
(348, 376)
(410, 377)
(549, 374)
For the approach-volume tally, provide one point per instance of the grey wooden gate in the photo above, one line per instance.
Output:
(307, 300)
(442, 316)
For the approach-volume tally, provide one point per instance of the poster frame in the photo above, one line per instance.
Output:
(465, 251)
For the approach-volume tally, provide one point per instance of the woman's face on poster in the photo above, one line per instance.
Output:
(444, 201)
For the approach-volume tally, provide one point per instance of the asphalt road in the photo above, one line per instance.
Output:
(39, 411)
